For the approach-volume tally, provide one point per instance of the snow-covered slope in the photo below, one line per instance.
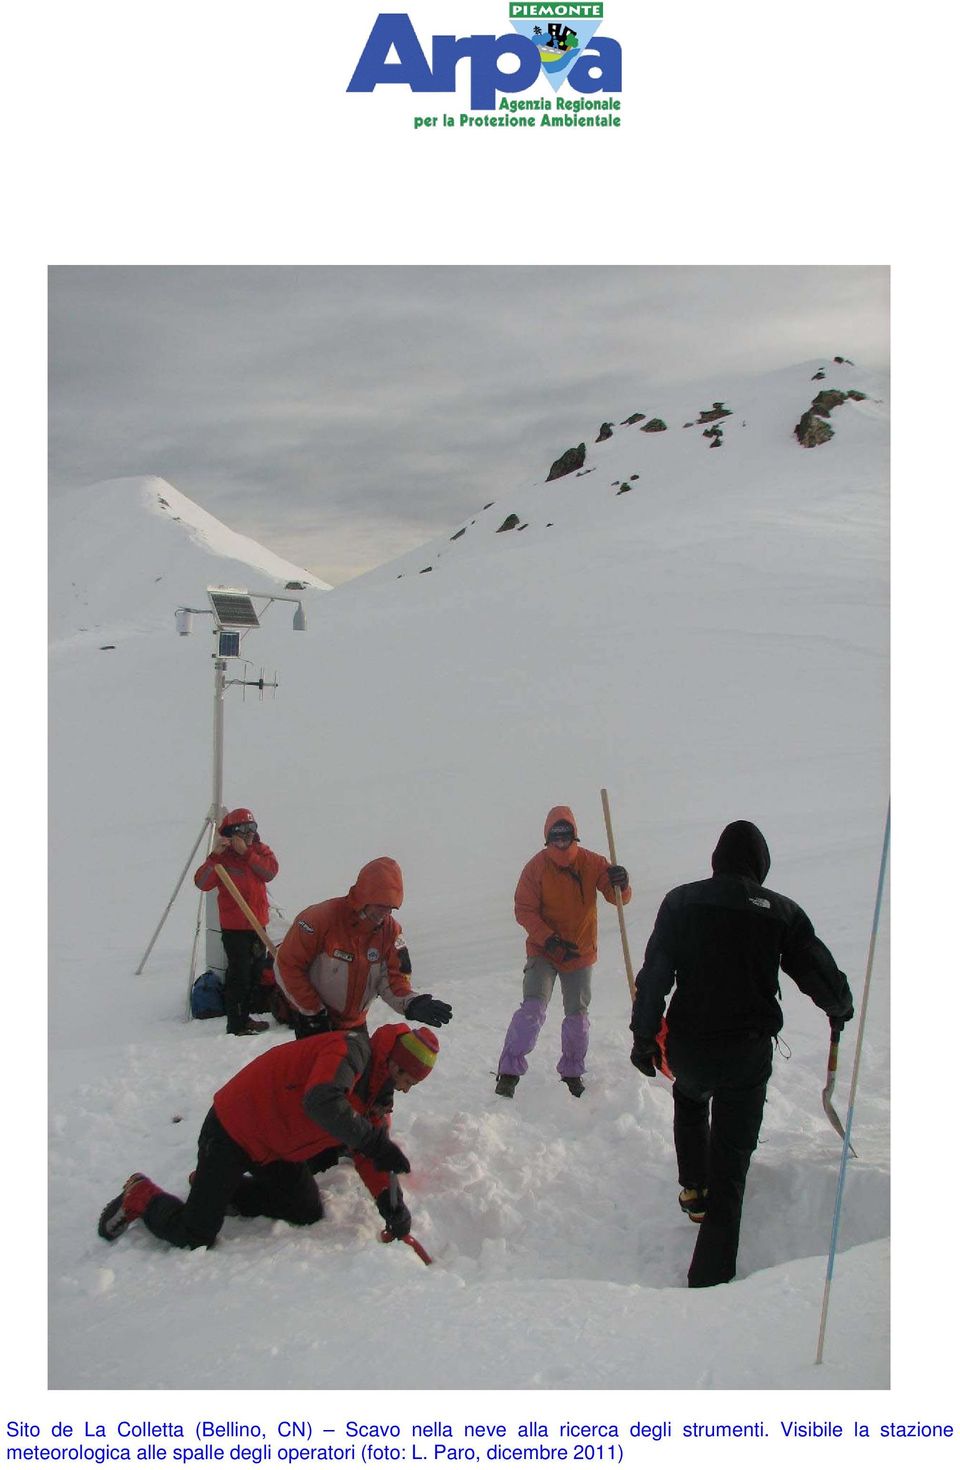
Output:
(125, 553)
(711, 644)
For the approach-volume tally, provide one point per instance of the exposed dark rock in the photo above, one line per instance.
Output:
(457, 534)
(826, 399)
(856, 395)
(606, 432)
(812, 431)
(489, 503)
(510, 524)
(623, 488)
(634, 477)
(707, 415)
(634, 418)
(655, 426)
(570, 459)
(586, 472)
(425, 569)
(689, 425)
(817, 376)
(844, 359)
(294, 586)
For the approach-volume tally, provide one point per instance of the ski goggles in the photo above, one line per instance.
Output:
(242, 829)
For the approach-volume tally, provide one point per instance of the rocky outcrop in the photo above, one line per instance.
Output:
(570, 460)
(813, 428)
(633, 419)
(510, 524)
(606, 432)
(707, 415)
(655, 426)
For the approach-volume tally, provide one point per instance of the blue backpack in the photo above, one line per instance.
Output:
(206, 997)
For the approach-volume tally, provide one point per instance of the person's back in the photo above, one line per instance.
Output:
(722, 941)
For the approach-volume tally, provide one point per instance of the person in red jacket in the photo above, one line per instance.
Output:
(556, 902)
(339, 955)
(292, 1112)
(239, 850)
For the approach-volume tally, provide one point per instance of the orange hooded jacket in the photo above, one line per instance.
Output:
(331, 959)
(557, 894)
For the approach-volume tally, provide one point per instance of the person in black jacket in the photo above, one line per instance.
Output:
(721, 943)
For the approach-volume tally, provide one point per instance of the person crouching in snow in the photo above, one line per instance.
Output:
(291, 1112)
(251, 864)
(556, 902)
(339, 955)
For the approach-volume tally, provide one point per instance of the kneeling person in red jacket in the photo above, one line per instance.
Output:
(294, 1110)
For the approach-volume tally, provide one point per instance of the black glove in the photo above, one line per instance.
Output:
(646, 1055)
(310, 1025)
(837, 1023)
(560, 950)
(396, 1216)
(618, 876)
(406, 964)
(425, 1008)
(384, 1154)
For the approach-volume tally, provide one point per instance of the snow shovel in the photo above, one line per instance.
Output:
(242, 904)
(387, 1235)
(827, 1093)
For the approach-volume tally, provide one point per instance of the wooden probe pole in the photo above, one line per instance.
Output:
(623, 923)
(242, 904)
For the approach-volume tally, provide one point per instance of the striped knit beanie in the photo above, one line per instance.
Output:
(415, 1052)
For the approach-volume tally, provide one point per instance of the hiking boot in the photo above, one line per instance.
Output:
(506, 1084)
(250, 1027)
(575, 1085)
(693, 1203)
(128, 1206)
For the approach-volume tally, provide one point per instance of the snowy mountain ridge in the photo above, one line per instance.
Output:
(177, 548)
(638, 475)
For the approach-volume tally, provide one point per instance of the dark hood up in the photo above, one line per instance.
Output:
(742, 850)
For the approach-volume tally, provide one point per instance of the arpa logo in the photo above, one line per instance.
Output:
(558, 41)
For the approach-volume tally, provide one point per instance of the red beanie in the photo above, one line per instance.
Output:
(415, 1052)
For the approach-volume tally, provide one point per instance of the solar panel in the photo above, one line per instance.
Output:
(233, 608)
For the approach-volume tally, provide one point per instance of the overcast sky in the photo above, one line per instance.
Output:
(343, 415)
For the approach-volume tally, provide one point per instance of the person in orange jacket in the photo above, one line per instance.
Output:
(339, 955)
(556, 902)
(293, 1112)
(239, 850)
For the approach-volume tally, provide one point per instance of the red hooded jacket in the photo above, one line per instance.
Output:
(333, 960)
(557, 894)
(296, 1100)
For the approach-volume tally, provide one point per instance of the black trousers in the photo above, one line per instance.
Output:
(718, 1098)
(245, 955)
(226, 1176)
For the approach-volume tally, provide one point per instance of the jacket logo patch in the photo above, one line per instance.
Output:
(305, 927)
(373, 954)
(761, 903)
(341, 954)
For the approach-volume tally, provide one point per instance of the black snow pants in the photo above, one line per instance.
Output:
(227, 1178)
(718, 1095)
(245, 953)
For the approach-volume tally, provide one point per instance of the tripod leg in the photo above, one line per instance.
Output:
(208, 822)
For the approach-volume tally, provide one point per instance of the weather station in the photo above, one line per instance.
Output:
(235, 613)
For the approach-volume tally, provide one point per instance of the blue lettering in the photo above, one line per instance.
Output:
(393, 31)
(598, 69)
(604, 58)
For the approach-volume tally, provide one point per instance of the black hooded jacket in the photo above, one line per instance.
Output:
(723, 941)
